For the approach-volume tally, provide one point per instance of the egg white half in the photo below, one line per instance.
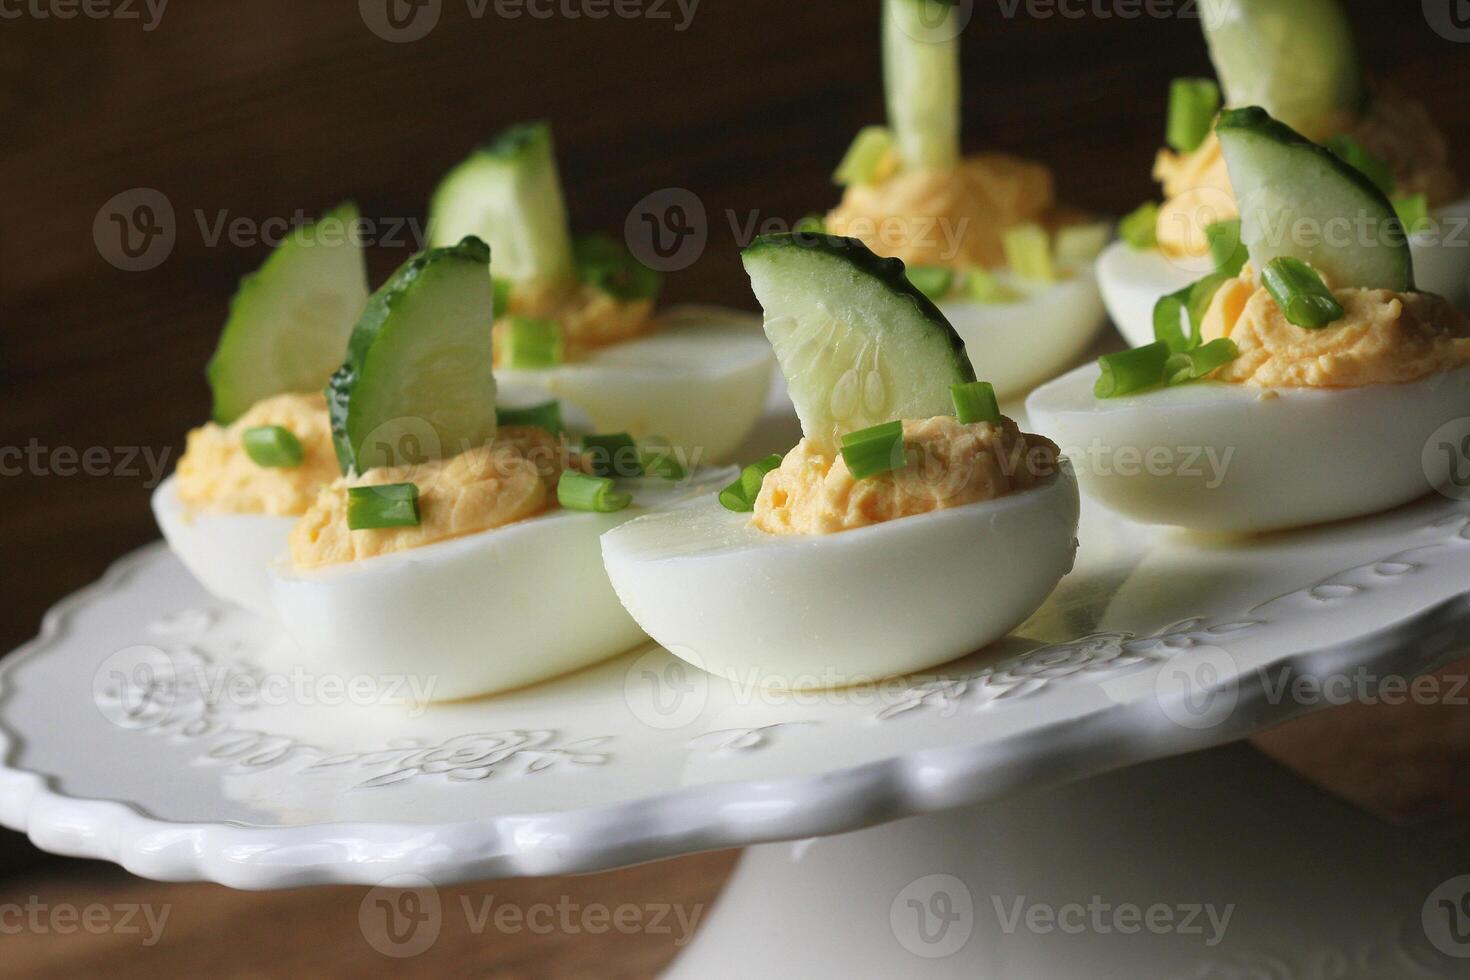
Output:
(1020, 344)
(1133, 281)
(473, 615)
(228, 553)
(1239, 459)
(700, 380)
(798, 612)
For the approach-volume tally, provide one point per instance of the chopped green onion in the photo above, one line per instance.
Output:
(1191, 365)
(983, 287)
(578, 491)
(1133, 370)
(974, 401)
(934, 281)
(1080, 244)
(659, 458)
(1188, 305)
(1028, 252)
(1227, 249)
(1140, 227)
(1353, 153)
(874, 450)
(1303, 297)
(812, 224)
(531, 344)
(500, 288)
(611, 268)
(1193, 103)
(273, 446)
(546, 415)
(386, 505)
(614, 454)
(740, 496)
(864, 156)
(1413, 212)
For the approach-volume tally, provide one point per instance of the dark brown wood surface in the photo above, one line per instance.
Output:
(259, 110)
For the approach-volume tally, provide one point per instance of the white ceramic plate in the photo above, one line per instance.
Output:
(147, 724)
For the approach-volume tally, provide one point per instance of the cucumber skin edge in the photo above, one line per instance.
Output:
(889, 271)
(380, 305)
(1257, 121)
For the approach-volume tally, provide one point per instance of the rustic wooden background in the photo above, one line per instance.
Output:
(257, 110)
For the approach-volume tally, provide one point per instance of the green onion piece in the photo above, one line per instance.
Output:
(273, 446)
(1226, 247)
(1191, 365)
(1028, 252)
(864, 156)
(983, 287)
(609, 267)
(1140, 227)
(1193, 103)
(1413, 212)
(532, 344)
(934, 281)
(875, 450)
(1187, 306)
(1133, 370)
(613, 454)
(1300, 292)
(740, 495)
(812, 224)
(659, 458)
(1080, 244)
(387, 505)
(546, 415)
(1353, 153)
(501, 290)
(974, 401)
(578, 491)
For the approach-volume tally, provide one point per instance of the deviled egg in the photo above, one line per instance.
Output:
(575, 318)
(454, 549)
(1298, 60)
(982, 236)
(247, 475)
(1303, 389)
(911, 525)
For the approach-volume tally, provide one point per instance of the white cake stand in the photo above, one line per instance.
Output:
(147, 726)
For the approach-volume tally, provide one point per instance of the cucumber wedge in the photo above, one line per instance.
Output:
(417, 383)
(1300, 200)
(858, 344)
(1295, 58)
(508, 194)
(290, 320)
(921, 73)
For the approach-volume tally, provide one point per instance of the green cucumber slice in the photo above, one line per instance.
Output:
(1302, 201)
(290, 320)
(1295, 58)
(858, 343)
(508, 194)
(921, 79)
(417, 383)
